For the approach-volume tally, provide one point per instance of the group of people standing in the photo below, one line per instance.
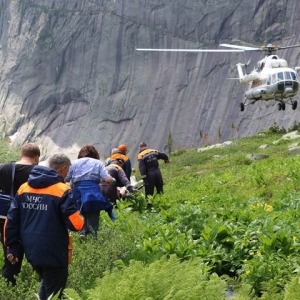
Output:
(42, 197)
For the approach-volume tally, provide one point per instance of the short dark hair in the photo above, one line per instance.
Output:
(58, 160)
(143, 144)
(30, 150)
(89, 150)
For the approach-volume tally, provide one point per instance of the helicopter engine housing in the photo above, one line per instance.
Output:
(283, 63)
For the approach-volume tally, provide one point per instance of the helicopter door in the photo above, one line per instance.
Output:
(274, 78)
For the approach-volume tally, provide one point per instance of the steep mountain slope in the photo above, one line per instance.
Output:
(70, 73)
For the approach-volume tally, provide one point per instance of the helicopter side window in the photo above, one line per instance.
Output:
(287, 76)
(274, 78)
(280, 76)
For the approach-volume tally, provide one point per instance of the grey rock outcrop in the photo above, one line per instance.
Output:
(216, 146)
(70, 73)
(291, 135)
(255, 156)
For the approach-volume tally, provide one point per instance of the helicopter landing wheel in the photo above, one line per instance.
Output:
(294, 105)
(242, 106)
(283, 106)
(279, 106)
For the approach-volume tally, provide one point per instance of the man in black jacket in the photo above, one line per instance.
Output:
(30, 154)
(149, 168)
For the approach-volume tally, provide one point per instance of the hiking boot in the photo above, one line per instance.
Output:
(81, 237)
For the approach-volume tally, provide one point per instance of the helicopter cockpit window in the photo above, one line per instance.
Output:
(287, 76)
(294, 76)
(280, 76)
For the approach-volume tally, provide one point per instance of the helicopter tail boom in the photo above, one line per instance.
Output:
(246, 78)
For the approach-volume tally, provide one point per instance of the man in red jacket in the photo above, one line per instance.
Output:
(149, 168)
(38, 222)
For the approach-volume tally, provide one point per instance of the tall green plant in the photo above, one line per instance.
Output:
(163, 279)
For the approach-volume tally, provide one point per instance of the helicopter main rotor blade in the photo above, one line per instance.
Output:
(287, 47)
(245, 48)
(243, 43)
(235, 48)
(190, 50)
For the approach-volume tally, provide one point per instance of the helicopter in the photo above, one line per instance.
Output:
(272, 79)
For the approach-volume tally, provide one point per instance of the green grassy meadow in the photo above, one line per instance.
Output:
(227, 227)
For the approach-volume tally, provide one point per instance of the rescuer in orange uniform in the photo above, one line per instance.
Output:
(38, 221)
(149, 168)
(122, 153)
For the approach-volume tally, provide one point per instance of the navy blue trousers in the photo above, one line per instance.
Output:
(155, 180)
(54, 281)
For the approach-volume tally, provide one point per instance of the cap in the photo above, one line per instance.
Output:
(122, 148)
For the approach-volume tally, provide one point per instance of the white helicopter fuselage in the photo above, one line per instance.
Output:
(272, 80)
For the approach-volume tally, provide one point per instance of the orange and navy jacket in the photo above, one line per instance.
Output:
(39, 218)
(148, 160)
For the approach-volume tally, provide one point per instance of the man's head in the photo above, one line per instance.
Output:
(114, 151)
(143, 145)
(60, 163)
(122, 148)
(89, 151)
(30, 153)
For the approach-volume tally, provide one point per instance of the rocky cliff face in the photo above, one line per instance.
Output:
(70, 73)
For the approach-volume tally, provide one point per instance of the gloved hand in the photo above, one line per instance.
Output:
(167, 161)
(145, 181)
(135, 191)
